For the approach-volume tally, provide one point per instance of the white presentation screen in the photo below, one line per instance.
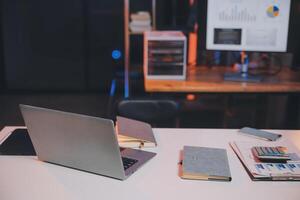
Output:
(249, 25)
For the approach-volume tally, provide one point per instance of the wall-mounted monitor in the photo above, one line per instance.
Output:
(248, 25)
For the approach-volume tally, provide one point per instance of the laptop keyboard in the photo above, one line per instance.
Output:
(128, 162)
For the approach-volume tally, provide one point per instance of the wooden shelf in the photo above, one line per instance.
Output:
(135, 33)
(127, 34)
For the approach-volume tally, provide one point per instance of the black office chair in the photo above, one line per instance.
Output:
(159, 113)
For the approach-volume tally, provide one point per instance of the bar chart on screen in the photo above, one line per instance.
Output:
(236, 15)
(243, 25)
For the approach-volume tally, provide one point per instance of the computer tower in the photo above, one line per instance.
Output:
(105, 42)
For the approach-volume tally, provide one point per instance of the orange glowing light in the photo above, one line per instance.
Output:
(190, 97)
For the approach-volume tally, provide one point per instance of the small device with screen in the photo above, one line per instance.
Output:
(271, 154)
(17, 143)
(260, 134)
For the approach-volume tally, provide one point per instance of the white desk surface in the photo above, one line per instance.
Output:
(23, 178)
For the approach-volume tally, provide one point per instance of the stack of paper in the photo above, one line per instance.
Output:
(265, 170)
(140, 22)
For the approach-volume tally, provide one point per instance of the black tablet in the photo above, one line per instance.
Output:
(18, 143)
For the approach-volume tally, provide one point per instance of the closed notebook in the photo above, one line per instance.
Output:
(204, 163)
(134, 134)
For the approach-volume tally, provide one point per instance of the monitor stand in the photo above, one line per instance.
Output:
(243, 76)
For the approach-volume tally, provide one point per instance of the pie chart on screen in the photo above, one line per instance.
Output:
(273, 11)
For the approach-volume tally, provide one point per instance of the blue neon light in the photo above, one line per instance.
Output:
(116, 54)
(112, 88)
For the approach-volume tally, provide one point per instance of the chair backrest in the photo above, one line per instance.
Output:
(155, 112)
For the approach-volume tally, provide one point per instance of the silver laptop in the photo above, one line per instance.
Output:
(81, 142)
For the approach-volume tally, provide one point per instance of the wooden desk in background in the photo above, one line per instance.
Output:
(210, 80)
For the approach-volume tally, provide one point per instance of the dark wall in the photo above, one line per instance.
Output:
(43, 44)
(172, 14)
(59, 44)
(1, 53)
(294, 33)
